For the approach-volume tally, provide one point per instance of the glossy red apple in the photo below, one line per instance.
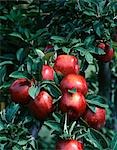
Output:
(42, 106)
(47, 72)
(66, 64)
(109, 53)
(69, 145)
(95, 120)
(74, 104)
(72, 81)
(19, 91)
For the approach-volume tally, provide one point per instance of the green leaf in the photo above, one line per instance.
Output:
(65, 136)
(113, 144)
(16, 147)
(89, 137)
(96, 103)
(56, 78)
(89, 13)
(1, 125)
(33, 144)
(78, 136)
(48, 56)
(20, 54)
(89, 40)
(39, 53)
(58, 39)
(56, 47)
(33, 91)
(6, 63)
(92, 107)
(96, 100)
(82, 50)
(15, 34)
(5, 85)
(38, 67)
(57, 116)
(77, 45)
(3, 17)
(53, 125)
(98, 27)
(89, 58)
(22, 142)
(34, 67)
(11, 111)
(71, 128)
(101, 139)
(17, 74)
(74, 90)
(29, 64)
(52, 88)
(66, 50)
(39, 33)
(2, 74)
(2, 146)
(3, 138)
(100, 51)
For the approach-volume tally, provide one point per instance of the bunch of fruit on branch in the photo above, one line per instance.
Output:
(72, 101)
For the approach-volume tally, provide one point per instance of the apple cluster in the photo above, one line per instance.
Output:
(74, 89)
(109, 52)
(72, 102)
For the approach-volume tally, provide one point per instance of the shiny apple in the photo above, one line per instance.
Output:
(42, 105)
(19, 91)
(95, 120)
(74, 104)
(47, 72)
(72, 81)
(66, 64)
(69, 145)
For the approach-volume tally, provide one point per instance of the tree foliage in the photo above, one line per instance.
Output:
(72, 27)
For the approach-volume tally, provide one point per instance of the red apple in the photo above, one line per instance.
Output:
(19, 91)
(47, 72)
(74, 104)
(42, 106)
(72, 81)
(109, 53)
(48, 47)
(95, 120)
(69, 145)
(102, 46)
(66, 64)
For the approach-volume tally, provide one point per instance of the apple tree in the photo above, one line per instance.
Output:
(58, 75)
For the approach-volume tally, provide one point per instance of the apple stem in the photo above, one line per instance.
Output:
(65, 124)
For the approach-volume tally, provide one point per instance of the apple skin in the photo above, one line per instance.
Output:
(66, 64)
(72, 81)
(42, 106)
(95, 120)
(102, 46)
(74, 104)
(19, 91)
(48, 47)
(47, 72)
(69, 145)
(109, 53)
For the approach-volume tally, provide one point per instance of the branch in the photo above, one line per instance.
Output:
(104, 79)
(35, 129)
